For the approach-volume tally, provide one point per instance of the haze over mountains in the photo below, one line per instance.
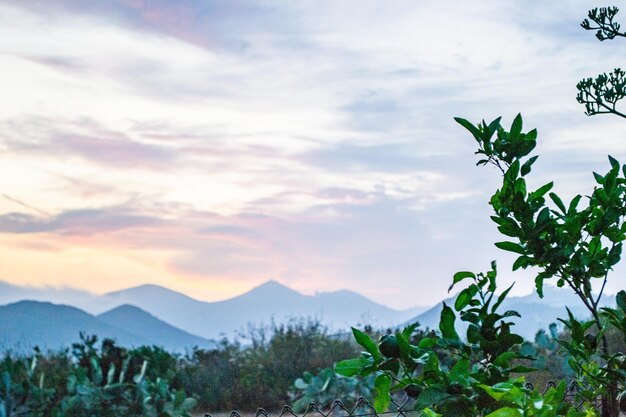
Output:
(208, 320)
(26, 324)
(536, 313)
(153, 315)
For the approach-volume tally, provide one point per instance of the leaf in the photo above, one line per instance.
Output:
(516, 127)
(460, 276)
(543, 217)
(505, 358)
(430, 413)
(511, 174)
(464, 297)
(427, 343)
(527, 165)
(460, 370)
(501, 298)
(521, 262)
(300, 384)
(382, 385)
(469, 126)
(351, 367)
(539, 285)
(574, 204)
(511, 247)
(614, 162)
(599, 178)
(506, 412)
(541, 191)
(559, 203)
(621, 300)
(446, 323)
(473, 333)
(430, 396)
(368, 344)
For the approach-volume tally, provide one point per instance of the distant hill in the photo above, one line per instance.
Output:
(135, 321)
(536, 313)
(261, 305)
(26, 324)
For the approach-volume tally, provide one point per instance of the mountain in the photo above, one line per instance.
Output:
(537, 313)
(135, 321)
(259, 306)
(26, 324)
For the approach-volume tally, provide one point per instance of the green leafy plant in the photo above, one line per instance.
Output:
(575, 244)
(325, 387)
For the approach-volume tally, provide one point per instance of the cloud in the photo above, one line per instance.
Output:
(82, 222)
(309, 140)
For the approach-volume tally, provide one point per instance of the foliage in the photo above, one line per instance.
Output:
(261, 373)
(92, 381)
(104, 379)
(327, 386)
(600, 95)
(575, 244)
(479, 378)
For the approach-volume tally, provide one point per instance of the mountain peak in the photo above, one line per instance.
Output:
(272, 289)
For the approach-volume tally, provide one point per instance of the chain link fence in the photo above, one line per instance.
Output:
(364, 408)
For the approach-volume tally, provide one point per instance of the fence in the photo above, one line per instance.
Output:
(364, 408)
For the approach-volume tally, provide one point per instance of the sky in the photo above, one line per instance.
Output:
(209, 146)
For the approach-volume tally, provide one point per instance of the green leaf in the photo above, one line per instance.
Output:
(511, 174)
(559, 203)
(621, 300)
(430, 396)
(464, 297)
(539, 285)
(505, 358)
(521, 262)
(469, 126)
(614, 162)
(351, 367)
(506, 412)
(574, 204)
(473, 333)
(527, 165)
(543, 217)
(460, 370)
(382, 385)
(446, 323)
(430, 413)
(541, 191)
(511, 247)
(460, 276)
(427, 343)
(599, 178)
(516, 127)
(501, 298)
(368, 344)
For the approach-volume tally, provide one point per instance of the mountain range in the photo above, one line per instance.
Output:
(267, 303)
(153, 315)
(26, 324)
(537, 313)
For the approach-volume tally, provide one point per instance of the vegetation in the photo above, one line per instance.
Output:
(103, 379)
(575, 244)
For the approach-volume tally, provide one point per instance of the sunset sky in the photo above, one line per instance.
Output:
(209, 146)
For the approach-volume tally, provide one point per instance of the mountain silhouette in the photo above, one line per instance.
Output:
(26, 324)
